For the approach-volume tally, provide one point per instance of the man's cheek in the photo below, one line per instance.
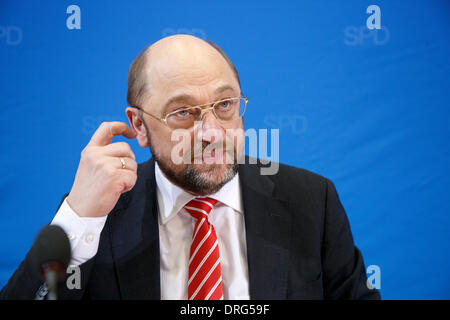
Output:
(235, 144)
(180, 147)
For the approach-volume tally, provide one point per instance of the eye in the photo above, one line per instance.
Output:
(182, 113)
(224, 105)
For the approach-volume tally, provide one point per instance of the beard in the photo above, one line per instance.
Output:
(198, 179)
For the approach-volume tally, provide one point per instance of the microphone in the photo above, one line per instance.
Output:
(50, 257)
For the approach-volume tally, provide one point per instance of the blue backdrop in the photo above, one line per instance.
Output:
(368, 109)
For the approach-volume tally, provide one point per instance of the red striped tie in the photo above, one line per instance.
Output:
(205, 276)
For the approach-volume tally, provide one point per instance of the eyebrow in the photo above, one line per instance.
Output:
(223, 88)
(187, 97)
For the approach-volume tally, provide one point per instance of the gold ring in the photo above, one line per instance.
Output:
(122, 160)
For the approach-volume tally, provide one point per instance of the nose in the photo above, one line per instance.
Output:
(209, 129)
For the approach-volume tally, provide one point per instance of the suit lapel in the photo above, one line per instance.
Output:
(268, 234)
(135, 238)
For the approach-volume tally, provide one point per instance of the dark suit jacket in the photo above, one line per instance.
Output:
(299, 243)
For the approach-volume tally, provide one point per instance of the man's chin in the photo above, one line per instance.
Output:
(209, 168)
(216, 174)
(200, 179)
(212, 175)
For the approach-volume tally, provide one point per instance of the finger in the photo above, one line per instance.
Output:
(107, 130)
(129, 163)
(118, 149)
(127, 180)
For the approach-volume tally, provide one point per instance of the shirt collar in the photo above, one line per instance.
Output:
(171, 198)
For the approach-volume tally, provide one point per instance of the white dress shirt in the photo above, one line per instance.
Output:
(176, 228)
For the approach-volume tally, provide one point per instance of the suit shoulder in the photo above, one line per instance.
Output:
(298, 175)
(290, 180)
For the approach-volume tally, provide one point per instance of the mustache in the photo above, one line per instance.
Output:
(198, 150)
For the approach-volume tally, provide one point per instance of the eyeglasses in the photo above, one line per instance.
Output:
(225, 111)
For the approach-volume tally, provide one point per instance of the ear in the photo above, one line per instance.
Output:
(138, 125)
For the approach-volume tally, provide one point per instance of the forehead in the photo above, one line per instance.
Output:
(198, 70)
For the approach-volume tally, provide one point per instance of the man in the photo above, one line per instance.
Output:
(202, 227)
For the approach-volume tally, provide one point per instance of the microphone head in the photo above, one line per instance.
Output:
(52, 247)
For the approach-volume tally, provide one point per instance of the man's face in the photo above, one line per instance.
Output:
(190, 73)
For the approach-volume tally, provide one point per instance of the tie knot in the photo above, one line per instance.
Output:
(200, 207)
